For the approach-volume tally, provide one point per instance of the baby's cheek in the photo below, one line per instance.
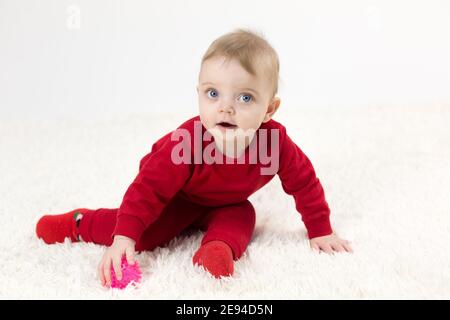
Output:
(205, 118)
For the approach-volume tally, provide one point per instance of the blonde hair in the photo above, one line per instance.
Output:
(252, 51)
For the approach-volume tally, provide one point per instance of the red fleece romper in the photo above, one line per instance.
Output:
(166, 198)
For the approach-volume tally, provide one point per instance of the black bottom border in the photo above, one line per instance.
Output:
(222, 309)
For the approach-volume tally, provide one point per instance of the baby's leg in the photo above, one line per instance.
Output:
(228, 232)
(176, 217)
(78, 225)
(98, 225)
(179, 214)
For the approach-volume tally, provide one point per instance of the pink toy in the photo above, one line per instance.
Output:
(129, 273)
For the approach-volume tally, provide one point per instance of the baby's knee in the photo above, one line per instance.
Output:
(249, 210)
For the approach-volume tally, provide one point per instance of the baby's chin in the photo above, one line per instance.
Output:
(230, 134)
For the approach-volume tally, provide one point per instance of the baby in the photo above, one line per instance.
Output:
(201, 174)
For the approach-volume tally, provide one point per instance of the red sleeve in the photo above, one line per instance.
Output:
(158, 180)
(299, 179)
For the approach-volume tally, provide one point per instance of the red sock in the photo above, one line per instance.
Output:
(216, 257)
(55, 228)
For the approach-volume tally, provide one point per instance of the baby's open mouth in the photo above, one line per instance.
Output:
(227, 125)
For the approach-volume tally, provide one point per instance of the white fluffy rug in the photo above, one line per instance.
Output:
(386, 173)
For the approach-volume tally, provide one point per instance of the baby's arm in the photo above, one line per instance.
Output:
(299, 179)
(158, 180)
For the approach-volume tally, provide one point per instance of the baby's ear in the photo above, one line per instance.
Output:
(272, 108)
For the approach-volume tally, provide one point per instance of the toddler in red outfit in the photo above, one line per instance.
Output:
(201, 174)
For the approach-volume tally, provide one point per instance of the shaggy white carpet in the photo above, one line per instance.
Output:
(386, 173)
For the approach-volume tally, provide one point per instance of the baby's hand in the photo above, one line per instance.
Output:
(330, 243)
(121, 245)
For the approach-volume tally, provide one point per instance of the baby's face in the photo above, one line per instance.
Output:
(227, 93)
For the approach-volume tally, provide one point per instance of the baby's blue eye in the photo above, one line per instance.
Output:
(211, 93)
(246, 98)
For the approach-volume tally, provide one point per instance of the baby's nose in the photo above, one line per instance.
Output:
(227, 108)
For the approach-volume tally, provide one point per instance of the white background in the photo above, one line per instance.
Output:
(365, 91)
(91, 58)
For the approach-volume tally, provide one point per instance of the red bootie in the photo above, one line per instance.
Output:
(55, 228)
(216, 257)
